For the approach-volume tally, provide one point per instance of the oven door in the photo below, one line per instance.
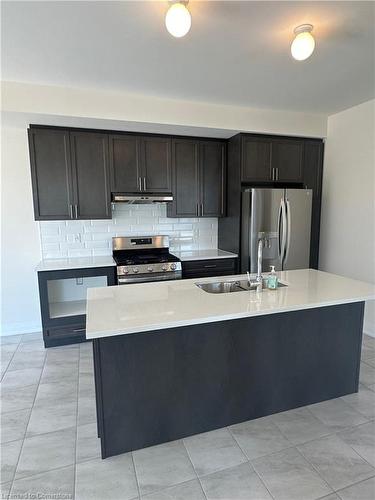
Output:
(146, 278)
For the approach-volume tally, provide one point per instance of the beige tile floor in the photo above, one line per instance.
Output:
(49, 445)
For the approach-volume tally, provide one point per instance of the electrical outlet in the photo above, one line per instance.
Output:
(79, 281)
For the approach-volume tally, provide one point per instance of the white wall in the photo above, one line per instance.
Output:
(348, 206)
(93, 104)
(20, 245)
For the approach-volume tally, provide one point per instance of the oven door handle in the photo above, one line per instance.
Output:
(121, 280)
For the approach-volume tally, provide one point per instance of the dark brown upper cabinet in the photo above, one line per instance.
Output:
(212, 171)
(70, 174)
(287, 160)
(51, 174)
(125, 163)
(156, 164)
(184, 178)
(271, 159)
(198, 178)
(140, 164)
(90, 167)
(256, 159)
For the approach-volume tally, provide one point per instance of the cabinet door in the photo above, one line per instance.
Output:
(212, 161)
(91, 175)
(185, 178)
(51, 174)
(256, 160)
(287, 159)
(156, 164)
(124, 163)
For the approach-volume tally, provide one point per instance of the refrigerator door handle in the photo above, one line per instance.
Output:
(288, 228)
(284, 233)
(279, 243)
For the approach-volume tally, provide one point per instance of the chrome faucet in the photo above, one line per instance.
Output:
(259, 277)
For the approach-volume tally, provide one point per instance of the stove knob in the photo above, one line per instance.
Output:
(135, 270)
(126, 271)
(150, 269)
(173, 267)
(164, 268)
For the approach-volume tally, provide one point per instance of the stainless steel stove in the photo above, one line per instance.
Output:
(144, 258)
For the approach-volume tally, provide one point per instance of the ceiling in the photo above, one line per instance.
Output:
(236, 52)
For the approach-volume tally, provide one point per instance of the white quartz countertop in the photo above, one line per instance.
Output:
(148, 307)
(75, 263)
(215, 253)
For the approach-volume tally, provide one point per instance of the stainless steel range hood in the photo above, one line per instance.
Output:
(138, 198)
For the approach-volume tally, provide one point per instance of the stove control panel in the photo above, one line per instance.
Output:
(165, 267)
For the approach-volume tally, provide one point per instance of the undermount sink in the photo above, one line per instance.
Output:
(233, 286)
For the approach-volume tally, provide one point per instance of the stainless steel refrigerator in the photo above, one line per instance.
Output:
(282, 219)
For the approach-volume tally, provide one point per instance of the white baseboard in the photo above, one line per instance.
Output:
(20, 328)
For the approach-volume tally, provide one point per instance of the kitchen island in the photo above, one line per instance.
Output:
(172, 360)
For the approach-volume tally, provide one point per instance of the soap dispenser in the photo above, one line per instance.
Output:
(272, 280)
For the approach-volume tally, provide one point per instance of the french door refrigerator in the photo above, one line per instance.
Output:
(282, 219)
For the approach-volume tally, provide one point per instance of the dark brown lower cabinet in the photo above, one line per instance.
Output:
(63, 302)
(209, 267)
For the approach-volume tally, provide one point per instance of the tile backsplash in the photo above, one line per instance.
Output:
(94, 237)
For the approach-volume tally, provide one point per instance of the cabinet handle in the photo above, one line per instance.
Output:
(209, 266)
(202, 211)
(144, 183)
(140, 183)
(197, 210)
(76, 208)
(273, 174)
(71, 211)
(277, 173)
(79, 330)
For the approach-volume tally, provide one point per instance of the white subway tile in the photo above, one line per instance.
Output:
(80, 253)
(142, 227)
(183, 227)
(71, 246)
(49, 230)
(146, 220)
(163, 227)
(54, 255)
(101, 251)
(101, 236)
(54, 238)
(95, 229)
(51, 247)
(97, 244)
(99, 222)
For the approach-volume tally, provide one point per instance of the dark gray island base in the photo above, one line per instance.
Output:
(160, 386)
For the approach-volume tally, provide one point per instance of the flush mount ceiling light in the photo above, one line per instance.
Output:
(178, 19)
(303, 45)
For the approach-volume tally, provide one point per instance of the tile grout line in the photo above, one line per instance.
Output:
(76, 433)
(354, 484)
(250, 463)
(42, 473)
(135, 474)
(191, 462)
(11, 359)
(28, 421)
(316, 470)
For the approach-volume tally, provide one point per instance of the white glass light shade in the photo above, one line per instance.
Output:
(178, 20)
(303, 45)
